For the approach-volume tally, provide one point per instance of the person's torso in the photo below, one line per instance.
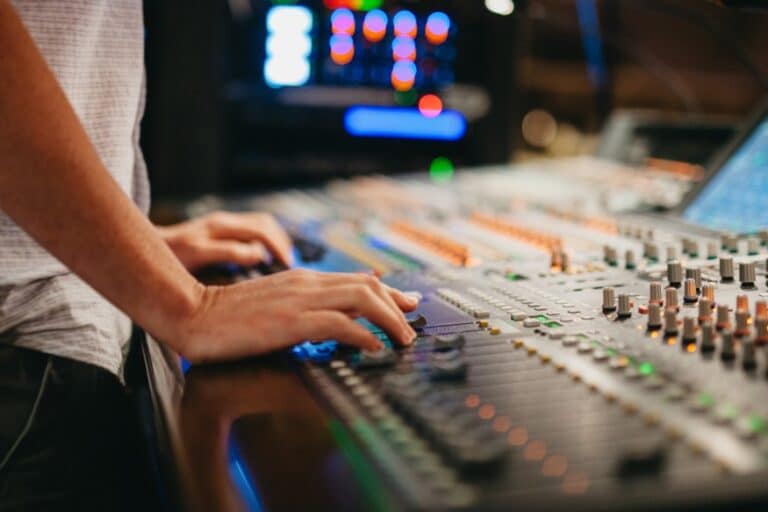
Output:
(95, 48)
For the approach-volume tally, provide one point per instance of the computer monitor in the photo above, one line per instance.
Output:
(734, 196)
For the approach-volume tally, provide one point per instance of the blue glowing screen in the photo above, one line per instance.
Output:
(736, 198)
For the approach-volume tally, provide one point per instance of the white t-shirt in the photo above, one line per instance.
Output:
(96, 50)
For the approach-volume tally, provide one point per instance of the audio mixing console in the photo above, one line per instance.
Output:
(569, 356)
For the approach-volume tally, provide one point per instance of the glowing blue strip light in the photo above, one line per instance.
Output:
(404, 123)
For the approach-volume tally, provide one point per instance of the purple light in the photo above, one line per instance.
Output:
(403, 48)
(342, 44)
(438, 23)
(405, 24)
(375, 21)
(404, 71)
(343, 22)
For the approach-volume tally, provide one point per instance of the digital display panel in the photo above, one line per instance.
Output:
(736, 198)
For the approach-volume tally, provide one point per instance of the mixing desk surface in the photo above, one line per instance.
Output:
(569, 356)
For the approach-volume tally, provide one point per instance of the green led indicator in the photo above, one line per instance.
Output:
(514, 277)
(441, 170)
(406, 98)
(552, 324)
(705, 400)
(646, 368)
(757, 423)
(367, 5)
(542, 318)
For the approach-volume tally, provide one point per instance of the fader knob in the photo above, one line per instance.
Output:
(689, 292)
(675, 273)
(761, 309)
(742, 324)
(742, 303)
(609, 300)
(625, 306)
(723, 318)
(707, 338)
(748, 356)
(712, 250)
(670, 299)
(705, 311)
(708, 292)
(726, 269)
(747, 275)
(727, 350)
(629, 260)
(753, 246)
(654, 316)
(689, 330)
(670, 322)
(655, 294)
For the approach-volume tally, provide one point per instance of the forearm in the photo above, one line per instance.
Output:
(53, 185)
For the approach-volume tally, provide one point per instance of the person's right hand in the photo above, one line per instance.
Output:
(274, 312)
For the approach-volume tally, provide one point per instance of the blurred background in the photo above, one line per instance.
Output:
(246, 95)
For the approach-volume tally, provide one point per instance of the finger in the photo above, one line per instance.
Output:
(406, 302)
(356, 298)
(229, 251)
(258, 227)
(326, 325)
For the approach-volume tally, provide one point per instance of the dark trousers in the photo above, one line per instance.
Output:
(69, 437)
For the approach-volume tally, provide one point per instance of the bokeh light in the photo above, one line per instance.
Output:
(430, 105)
(342, 49)
(437, 28)
(441, 170)
(403, 48)
(403, 75)
(405, 24)
(375, 25)
(343, 22)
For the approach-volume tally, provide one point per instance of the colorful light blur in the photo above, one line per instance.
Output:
(343, 22)
(430, 105)
(403, 48)
(405, 24)
(342, 49)
(288, 46)
(437, 27)
(375, 25)
(355, 5)
(403, 75)
(404, 123)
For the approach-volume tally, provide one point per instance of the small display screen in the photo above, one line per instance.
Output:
(736, 198)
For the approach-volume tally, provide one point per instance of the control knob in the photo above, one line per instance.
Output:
(625, 306)
(727, 349)
(609, 300)
(705, 311)
(707, 338)
(689, 292)
(747, 275)
(655, 294)
(748, 355)
(670, 301)
(726, 269)
(689, 330)
(675, 273)
(670, 322)
(654, 316)
(723, 318)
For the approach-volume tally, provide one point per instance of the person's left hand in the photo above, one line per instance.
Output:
(222, 237)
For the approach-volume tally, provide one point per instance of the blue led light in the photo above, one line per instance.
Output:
(438, 23)
(404, 123)
(405, 24)
(403, 48)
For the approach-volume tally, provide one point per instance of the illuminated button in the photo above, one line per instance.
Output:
(531, 323)
(338, 364)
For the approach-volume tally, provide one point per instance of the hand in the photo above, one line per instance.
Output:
(277, 311)
(221, 237)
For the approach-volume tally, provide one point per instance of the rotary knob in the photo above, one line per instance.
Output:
(655, 294)
(651, 251)
(727, 348)
(723, 318)
(670, 299)
(763, 236)
(742, 324)
(693, 249)
(695, 274)
(712, 250)
(689, 330)
(705, 311)
(654, 316)
(629, 260)
(670, 322)
(708, 292)
(610, 255)
(730, 243)
(675, 273)
(625, 306)
(707, 338)
(726, 269)
(753, 246)
(748, 355)
(761, 331)
(609, 300)
(689, 292)
(671, 253)
(747, 275)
